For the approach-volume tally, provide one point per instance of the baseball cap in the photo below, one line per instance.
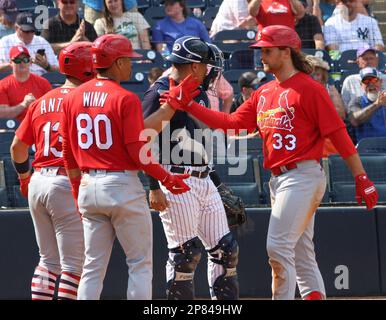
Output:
(16, 51)
(369, 72)
(10, 9)
(363, 50)
(251, 79)
(26, 21)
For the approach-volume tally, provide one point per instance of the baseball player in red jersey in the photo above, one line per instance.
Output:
(58, 227)
(293, 115)
(101, 149)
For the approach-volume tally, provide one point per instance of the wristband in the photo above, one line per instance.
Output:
(21, 167)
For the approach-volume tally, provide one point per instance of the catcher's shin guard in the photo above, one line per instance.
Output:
(184, 260)
(226, 286)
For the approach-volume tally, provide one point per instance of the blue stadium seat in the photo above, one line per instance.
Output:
(24, 5)
(11, 178)
(345, 192)
(6, 139)
(9, 124)
(150, 59)
(55, 78)
(4, 74)
(318, 53)
(196, 3)
(347, 61)
(236, 34)
(143, 4)
(249, 192)
(372, 145)
(208, 16)
(137, 83)
(228, 169)
(18, 200)
(154, 14)
(382, 61)
(214, 3)
(3, 197)
(375, 166)
(242, 59)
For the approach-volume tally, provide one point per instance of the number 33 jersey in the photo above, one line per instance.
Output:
(293, 118)
(41, 127)
(99, 119)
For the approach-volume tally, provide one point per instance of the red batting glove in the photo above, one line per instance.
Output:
(365, 190)
(163, 98)
(182, 95)
(175, 183)
(24, 186)
(75, 183)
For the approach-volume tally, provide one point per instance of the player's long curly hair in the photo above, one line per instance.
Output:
(109, 18)
(300, 62)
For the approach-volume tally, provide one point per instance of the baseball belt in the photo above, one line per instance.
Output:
(194, 173)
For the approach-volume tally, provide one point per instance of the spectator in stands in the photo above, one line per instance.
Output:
(320, 74)
(20, 88)
(248, 82)
(269, 12)
(177, 24)
(154, 74)
(132, 25)
(67, 27)
(232, 14)
(8, 13)
(368, 112)
(42, 61)
(93, 9)
(309, 30)
(352, 86)
(352, 33)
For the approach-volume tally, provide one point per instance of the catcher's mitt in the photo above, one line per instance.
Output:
(234, 206)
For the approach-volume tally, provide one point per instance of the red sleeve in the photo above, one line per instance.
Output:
(321, 110)
(68, 157)
(342, 142)
(243, 118)
(132, 118)
(153, 168)
(25, 130)
(3, 94)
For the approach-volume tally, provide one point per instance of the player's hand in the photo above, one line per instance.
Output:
(381, 101)
(163, 98)
(365, 190)
(75, 183)
(158, 200)
(28, 99)
(24, 182)
(175, 184)
(182, 95)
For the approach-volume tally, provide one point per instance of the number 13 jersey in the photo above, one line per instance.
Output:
(41, 127)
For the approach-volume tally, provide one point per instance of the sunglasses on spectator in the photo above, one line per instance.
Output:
(370, 80)
(20, 60)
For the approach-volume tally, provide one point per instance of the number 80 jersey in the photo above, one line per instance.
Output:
(293, 118)
(100, 118)
(41, 127)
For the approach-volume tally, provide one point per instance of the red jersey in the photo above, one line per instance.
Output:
(99, 119)
(293, 118)
(41, 127)
(275, 12)
(12, 92)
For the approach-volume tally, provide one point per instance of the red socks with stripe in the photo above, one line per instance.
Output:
(43, 284)
(68, 286)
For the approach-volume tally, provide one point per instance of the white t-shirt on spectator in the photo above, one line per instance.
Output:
(352, 88)
(37, 43)
(352, 35)
(230, 14)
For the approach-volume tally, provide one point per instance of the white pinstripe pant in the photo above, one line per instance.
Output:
(198, 212)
